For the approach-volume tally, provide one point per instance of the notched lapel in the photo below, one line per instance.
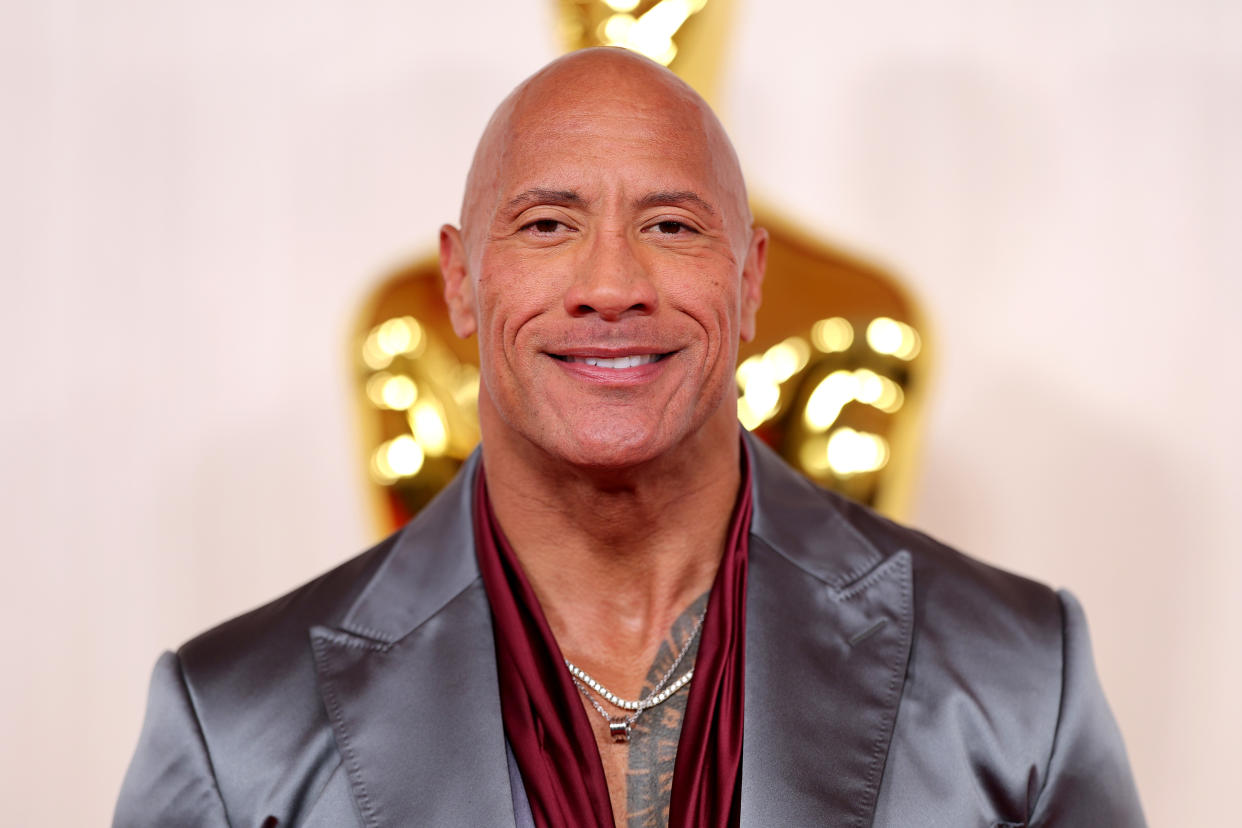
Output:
(417, 721)
(824, 671)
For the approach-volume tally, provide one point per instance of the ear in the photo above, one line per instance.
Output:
(458, 290)
(753, 270)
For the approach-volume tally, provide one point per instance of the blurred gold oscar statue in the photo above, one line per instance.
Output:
(834, 380)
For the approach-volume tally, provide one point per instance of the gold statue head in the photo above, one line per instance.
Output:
(688, 36)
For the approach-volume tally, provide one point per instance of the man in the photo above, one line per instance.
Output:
(624, 610)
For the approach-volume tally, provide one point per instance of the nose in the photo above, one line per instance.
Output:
(611, 281)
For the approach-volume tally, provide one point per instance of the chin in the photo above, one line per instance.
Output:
(612, 446)
(628, 439)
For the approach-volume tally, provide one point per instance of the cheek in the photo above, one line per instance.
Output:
(713, 300)
(710, 296)
(492, 302)
(511, 292)
(501, 291)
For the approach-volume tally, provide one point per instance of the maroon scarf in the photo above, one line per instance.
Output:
(546, 725)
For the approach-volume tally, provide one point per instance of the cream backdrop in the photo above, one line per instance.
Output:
(197, 195)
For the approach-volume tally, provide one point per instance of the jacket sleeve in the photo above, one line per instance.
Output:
(170, 782)
(1089, 781)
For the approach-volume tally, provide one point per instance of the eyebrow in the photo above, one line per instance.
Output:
(676, 198)
(541, 195)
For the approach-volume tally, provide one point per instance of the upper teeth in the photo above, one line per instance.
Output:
(616, 362)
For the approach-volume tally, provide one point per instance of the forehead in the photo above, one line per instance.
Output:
(609, 134)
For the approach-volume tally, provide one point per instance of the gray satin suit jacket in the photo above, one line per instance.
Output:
(889, 681)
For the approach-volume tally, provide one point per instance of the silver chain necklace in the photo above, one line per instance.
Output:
(619, 726)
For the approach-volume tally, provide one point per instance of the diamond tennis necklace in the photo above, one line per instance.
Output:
(619, 726)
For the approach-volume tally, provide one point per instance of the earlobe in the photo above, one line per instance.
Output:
(458, 290)
(752, 280)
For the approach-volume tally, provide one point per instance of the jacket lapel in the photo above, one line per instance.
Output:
(409, 681)
(828, 631)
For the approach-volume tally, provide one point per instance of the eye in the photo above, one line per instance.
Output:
(672, 228)
(545, 226)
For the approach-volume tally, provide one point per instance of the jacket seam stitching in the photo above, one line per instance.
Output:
(345, 745)
(882, 744)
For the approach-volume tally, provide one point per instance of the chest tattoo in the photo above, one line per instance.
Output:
(653, 748)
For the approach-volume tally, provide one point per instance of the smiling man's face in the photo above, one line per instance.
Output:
(607, 263)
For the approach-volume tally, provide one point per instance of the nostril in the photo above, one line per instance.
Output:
(608, 312)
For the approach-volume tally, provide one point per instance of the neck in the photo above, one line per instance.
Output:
(615, 556)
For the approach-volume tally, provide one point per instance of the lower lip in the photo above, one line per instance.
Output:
(614, 377)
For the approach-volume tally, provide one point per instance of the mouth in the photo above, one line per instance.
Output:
(616, 363)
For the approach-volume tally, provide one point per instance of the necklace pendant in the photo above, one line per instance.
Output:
(620, 731)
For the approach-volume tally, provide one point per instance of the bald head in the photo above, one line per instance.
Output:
(591, 86)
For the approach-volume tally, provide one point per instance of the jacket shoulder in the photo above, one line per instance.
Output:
(950, 579)
(839, 541)
(999, 634)
(266, 637)
(252, 690)
(986, 677)
(1000, 666)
